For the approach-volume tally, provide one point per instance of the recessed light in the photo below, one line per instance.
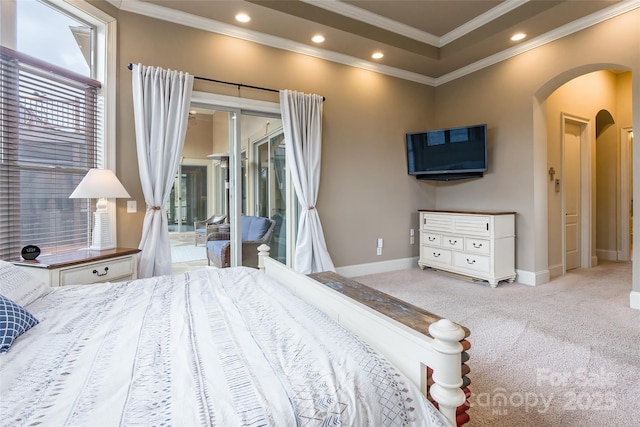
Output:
(377, 55)
(317, 38)
(517, 37)
(243, 17)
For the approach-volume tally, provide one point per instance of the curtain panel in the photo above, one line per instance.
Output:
(302, 122)
(161, 100)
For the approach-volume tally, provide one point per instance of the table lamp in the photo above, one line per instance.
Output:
(100, 184)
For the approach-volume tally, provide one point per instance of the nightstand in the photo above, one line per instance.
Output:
(84, 266)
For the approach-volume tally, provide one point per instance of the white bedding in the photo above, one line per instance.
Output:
(225, 347)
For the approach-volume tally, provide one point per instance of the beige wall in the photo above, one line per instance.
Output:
(365, 191)
(512, 97)
(198, 142)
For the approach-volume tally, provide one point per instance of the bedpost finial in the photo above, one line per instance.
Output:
(263, 251)
(446, 330)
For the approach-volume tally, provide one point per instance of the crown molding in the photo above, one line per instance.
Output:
(354, 12)
(480, 20)
(558, 33)
(205, 24)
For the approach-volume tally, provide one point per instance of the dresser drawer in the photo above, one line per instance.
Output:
(105, 271)
(474, 225)
(440, 256)
(437, 222)
(473, 262)
(431, 239)
(453, 242)
(477, 246)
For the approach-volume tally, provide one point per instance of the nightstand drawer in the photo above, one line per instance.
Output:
(77, 267)
(105, 271)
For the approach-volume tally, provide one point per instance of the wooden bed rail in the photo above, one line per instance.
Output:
(429, 350)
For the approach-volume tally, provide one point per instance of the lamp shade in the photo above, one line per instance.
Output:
(99, 183)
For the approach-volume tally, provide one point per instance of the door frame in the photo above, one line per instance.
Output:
(238, 106)
(626, 174)
(587, 168)
(185, 161)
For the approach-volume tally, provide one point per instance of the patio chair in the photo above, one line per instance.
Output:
(206, 227)
(255, 231)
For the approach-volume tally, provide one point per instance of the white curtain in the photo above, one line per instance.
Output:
(302, 121)
(161, 100)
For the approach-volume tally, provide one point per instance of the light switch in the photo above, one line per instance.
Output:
(132, 206)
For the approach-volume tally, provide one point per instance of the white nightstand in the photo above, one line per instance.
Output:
(84, 266)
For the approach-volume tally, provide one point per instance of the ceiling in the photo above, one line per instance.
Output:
(428, 41)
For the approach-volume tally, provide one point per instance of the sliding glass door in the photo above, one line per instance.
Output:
(271, 188)
(245, 148)
(188, 200)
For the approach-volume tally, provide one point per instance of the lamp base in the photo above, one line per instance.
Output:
(101, 239)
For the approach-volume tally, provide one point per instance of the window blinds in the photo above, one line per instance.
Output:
(49, 138)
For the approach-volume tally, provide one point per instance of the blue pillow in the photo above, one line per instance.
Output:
(14, 321)
(254, 227)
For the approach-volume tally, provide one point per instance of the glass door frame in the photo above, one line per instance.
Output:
(236, 107)
(178, 185)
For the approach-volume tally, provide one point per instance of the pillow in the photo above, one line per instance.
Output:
(19, 285)
(14, 321)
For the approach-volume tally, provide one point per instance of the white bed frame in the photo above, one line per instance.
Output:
(410, 351)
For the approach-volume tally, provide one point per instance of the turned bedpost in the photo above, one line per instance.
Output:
(263, 251)
(447, 377)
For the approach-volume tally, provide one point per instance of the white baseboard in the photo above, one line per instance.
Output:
(606, 254)
(532, 278)
(524, 277)
(555, 271)
(378, 267)
(634, 300)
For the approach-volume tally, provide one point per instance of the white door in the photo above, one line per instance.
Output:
(572, 199)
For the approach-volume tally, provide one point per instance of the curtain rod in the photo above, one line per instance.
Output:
(239, 85)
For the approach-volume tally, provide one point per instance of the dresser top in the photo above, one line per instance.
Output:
(77, 257)
(469, 212)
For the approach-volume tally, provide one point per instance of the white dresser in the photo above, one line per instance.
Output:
(480, 245)
(84, 266)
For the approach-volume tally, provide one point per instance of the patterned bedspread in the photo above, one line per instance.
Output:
(205, 348)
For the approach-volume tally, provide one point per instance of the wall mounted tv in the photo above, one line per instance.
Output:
(447, 154)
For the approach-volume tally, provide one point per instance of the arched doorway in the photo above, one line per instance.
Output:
(579, 92)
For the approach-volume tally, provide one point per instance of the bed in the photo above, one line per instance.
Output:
(220, 347)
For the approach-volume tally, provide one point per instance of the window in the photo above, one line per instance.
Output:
(54, 122)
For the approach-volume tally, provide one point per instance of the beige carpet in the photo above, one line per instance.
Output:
(565, 353)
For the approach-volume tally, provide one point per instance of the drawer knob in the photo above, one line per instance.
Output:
(431, 239)
(452, 242)
(473, 261)
(436, 255)
(106, 270)
(477, 245)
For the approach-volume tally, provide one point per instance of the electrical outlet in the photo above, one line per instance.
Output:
(412, 238)
(379, 250)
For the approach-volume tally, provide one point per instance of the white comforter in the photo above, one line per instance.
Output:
(209, 347)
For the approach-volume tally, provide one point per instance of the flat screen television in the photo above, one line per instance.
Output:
(447, 154)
